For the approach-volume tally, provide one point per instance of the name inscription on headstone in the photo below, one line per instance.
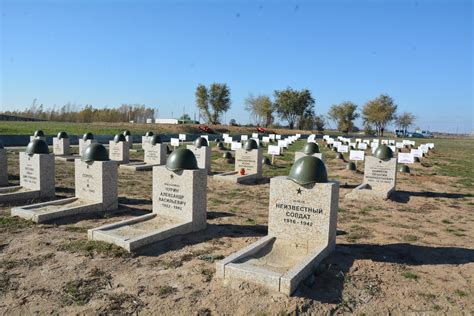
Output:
(171, 197)
(29, 175)
(379, 174)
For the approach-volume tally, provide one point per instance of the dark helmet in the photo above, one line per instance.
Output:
(266, 161)
(119, 138)
(149, 133)
(88, 136)
(351, 166)
(311, 148)
(339, 156)
(251, 144)
(227, 155)
(200, 142)
(308, 169)
(62, 135)
(328, 145)
(217, 140)
(38, 133)
(416, 159)
(220, 145)
(37, 146)
(126, 133)
(95, 152)
(334, 148)
(383, 152)
(181, 159)
(155, 139)
(404, 169)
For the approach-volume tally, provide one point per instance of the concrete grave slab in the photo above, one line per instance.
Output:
(84, 143)
(96, 191)
(119, 152)
(179, 207)
(203, 156)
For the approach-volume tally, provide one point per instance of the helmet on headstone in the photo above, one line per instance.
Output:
(220, 145)
(334, 148)
(126, 133)
(351, 166)
(251, 144)
(62, 135)
(416, 159)
(38, 133)
(149, 133)
(311, 148)
(307, 170)
(88, 136)
(339, 156)
(217, 140)
(119, 138)
(266, 161)
(383, 152)
(37, 146)
(200, 142)
(95, 152)
(403, 169)
(155, 139)
(227, 155)
(181, 159)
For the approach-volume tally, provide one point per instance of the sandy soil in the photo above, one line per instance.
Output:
(411, 254)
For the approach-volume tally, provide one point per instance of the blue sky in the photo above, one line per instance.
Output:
(106, 53)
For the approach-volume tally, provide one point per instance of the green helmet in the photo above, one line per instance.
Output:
(416, 159)
(38, 133)
(95, 152)
(383, 152)
(149, 133)
(334, 148)
(62, 135)
(351, 166)
(220, 145)
(126, 133)
(251, 144)
(200, 142)
(227, 155)
(119, 138)
(308, 169)
(404, 169)
(339, 156)
(37, 146)
(181, 159)
(217, 140)
(266, 161)
(328, 145)
(311, 148)
(88, 136)
(155, 139)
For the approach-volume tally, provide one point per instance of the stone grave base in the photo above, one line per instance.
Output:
(138, 166)
(235, 177)
(17, 193)
(365, 192)
(141, 231)
(66, 158)
(275, 264)
(43, 212)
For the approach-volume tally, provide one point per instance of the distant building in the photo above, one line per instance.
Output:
(166, 121)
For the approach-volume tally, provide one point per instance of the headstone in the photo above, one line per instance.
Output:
(61, 145)
(179, 207)
(119, 151)
(203, 156)
(155, 154)
(250, 161)
(83, 145)
(301, 232)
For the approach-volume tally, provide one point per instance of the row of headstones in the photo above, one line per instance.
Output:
(302, 211)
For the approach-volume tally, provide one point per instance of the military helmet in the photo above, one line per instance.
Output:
(403, 169)
(383, 152)
(37, 146)
(416, 159)
(38, 133)
(251, 144)
(155, 139)
(149, 133)
(311, 148)
(95, 152)
(200, 142)
(88, 136)
(126, 132)
(62, 135)
(339, 156)
(334, 148)
(220, 145)
(351, 166)
(308, 169)
(227, 155)
(181, 159)
(266, 161)
(119, 138)
(217, 140)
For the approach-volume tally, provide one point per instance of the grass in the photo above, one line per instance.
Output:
(91, 248)
(460, 293)
(11, 224)
(446, 221)
(358, 232)
(27, 262)
(410, 238)
(410, 275)
(76, 229)
(166, 290)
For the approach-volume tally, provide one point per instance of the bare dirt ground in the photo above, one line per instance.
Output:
(411, 254)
